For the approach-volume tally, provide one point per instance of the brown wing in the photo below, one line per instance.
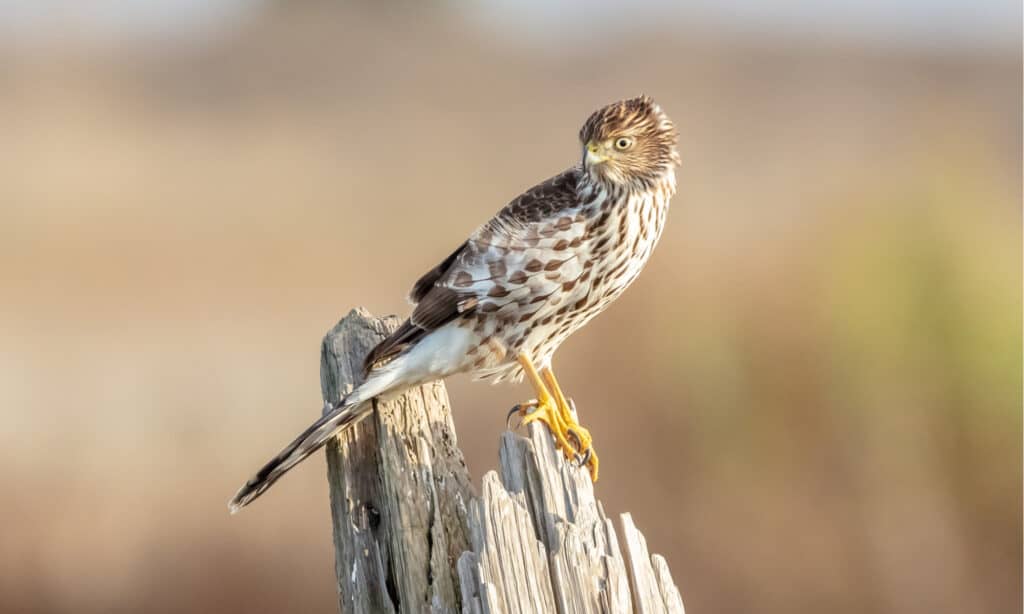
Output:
(541, 201)
(458, 285)
(425, 283)
(435, 307)
(438, 307)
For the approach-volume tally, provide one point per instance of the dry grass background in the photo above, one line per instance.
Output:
(810, 401)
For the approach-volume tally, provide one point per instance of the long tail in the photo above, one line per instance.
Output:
(350, 410)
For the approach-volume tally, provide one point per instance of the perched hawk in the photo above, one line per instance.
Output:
(501, 304)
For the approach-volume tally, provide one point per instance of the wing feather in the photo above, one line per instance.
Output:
(425, 283)
(465, 281)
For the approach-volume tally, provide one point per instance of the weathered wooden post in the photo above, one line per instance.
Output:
(411, 536)
(399, 487)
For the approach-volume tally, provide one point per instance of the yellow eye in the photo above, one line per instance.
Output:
(623, 143)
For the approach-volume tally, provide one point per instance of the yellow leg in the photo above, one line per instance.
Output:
(581, 434)
(545, 408)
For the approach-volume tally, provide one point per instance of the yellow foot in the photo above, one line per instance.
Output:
(579, 437)
(546, 412)
(552, 408)
(574, 430)
(573, 440)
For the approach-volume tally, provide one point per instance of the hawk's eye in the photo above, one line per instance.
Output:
(623, 143)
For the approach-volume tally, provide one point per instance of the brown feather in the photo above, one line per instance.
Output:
(425, 283)
(438, 307)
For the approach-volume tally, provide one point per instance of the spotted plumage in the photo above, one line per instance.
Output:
(541, 268)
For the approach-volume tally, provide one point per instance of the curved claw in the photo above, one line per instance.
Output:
(584, 452)
(574, 437)
(581, 436)
(517, 409)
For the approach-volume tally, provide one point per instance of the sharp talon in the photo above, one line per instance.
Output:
(580, 460)
(516, 409)
(575, 438)
(521, 409)
(571, 436)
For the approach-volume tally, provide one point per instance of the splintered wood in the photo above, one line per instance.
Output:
(399, 487)
(410, 536)
(542, 543)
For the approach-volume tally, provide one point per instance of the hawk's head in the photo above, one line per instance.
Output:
(629, 142)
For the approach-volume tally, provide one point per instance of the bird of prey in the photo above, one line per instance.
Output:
(503, 302)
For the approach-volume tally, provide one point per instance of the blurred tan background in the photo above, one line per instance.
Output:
(810, 401)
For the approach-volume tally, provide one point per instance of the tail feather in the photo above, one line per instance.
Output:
(311, 440)
(395, 375)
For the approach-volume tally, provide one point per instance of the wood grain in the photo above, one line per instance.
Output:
(399, 487)
(410, 536)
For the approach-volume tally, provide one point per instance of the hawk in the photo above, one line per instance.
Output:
(503, 302)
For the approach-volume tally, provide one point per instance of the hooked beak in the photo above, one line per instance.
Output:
(592, 154)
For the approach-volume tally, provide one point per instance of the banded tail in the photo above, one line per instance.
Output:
(354, 407)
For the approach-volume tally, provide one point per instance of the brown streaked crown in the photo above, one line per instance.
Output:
(653, 136)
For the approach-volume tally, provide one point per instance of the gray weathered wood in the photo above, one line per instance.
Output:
(541, 542)
(399, 487)
(410, 536)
